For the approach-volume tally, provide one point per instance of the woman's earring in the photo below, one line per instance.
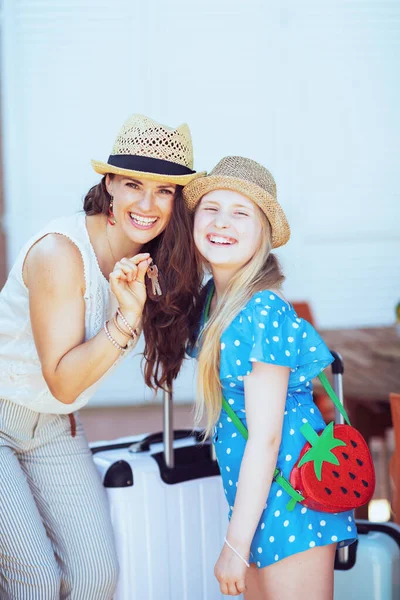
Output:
(111, 218)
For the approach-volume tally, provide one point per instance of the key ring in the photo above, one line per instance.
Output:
(155, 283)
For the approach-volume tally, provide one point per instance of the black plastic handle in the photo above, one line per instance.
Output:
(337, 365)
(158, 438)
(154, 438)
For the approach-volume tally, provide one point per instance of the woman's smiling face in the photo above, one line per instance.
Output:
(227, 229)
(142, 208)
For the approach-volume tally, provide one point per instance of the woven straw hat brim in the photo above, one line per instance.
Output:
(193, 193)
(103, 168)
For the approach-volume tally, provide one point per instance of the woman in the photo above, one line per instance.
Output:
(256, 353)
(62, 332)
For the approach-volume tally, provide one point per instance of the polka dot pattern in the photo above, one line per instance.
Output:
(274, 336)
(267, 330)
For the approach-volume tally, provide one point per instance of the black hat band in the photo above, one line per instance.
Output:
(147, 164)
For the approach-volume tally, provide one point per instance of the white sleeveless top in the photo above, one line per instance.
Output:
(21, 379)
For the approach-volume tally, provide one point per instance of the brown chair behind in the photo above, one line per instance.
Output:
(394, 465)
(303, 310)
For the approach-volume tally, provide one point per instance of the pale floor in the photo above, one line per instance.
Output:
(114, 422)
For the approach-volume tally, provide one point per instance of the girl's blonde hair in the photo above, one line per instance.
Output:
(261, 272)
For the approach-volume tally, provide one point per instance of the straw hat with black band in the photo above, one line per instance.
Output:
(249, 178)
(148, 150)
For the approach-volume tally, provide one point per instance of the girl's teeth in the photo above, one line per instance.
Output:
(219, 240)
(142, 220)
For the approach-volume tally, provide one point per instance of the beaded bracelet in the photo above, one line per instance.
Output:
(115, 321)
(132, 331)
(114, 342)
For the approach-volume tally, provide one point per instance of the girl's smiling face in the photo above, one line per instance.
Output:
(227, 229)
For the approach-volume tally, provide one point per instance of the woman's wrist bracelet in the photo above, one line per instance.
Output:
(133, 332)
(115, 321)
(114, 342)
(237, 553)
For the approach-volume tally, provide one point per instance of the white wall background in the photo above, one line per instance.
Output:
(309, 89)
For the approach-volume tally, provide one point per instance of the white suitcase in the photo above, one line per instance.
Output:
(169, 521)
(170, 517)
(372, 568)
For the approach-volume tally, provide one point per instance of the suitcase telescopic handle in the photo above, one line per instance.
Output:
(168, 429)
(337, 372)
(342, 554)
(168, 433)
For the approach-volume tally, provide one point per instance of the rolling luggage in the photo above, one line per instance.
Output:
(372, 568)
(168, 511)
(170, 517)
(369, 569)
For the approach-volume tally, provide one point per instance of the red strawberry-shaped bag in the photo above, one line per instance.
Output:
(334, 472)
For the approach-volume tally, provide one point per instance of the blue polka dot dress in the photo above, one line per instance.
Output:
(268, 330)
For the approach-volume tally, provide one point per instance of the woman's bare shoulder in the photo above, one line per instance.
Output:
(54, 257)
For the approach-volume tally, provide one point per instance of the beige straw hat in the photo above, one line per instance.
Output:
(250, 179)
(148, 150)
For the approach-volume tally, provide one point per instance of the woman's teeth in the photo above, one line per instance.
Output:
(221, 240)
(142, 220)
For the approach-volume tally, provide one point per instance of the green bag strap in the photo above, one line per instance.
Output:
(208, 304)
(279, 478)
(331, 393)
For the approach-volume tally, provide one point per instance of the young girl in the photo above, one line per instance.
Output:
(72, 307)
(256, 353)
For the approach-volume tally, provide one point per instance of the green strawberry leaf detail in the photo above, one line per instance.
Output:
(321, 448)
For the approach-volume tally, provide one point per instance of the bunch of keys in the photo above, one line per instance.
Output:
(154, 282)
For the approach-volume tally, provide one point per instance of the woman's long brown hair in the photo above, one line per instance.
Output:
(168, 323)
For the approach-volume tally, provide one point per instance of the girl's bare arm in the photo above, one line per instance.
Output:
(265, 397)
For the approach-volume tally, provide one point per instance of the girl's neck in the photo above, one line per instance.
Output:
(222, 278)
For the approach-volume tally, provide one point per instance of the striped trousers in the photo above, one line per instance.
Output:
(56, 538)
